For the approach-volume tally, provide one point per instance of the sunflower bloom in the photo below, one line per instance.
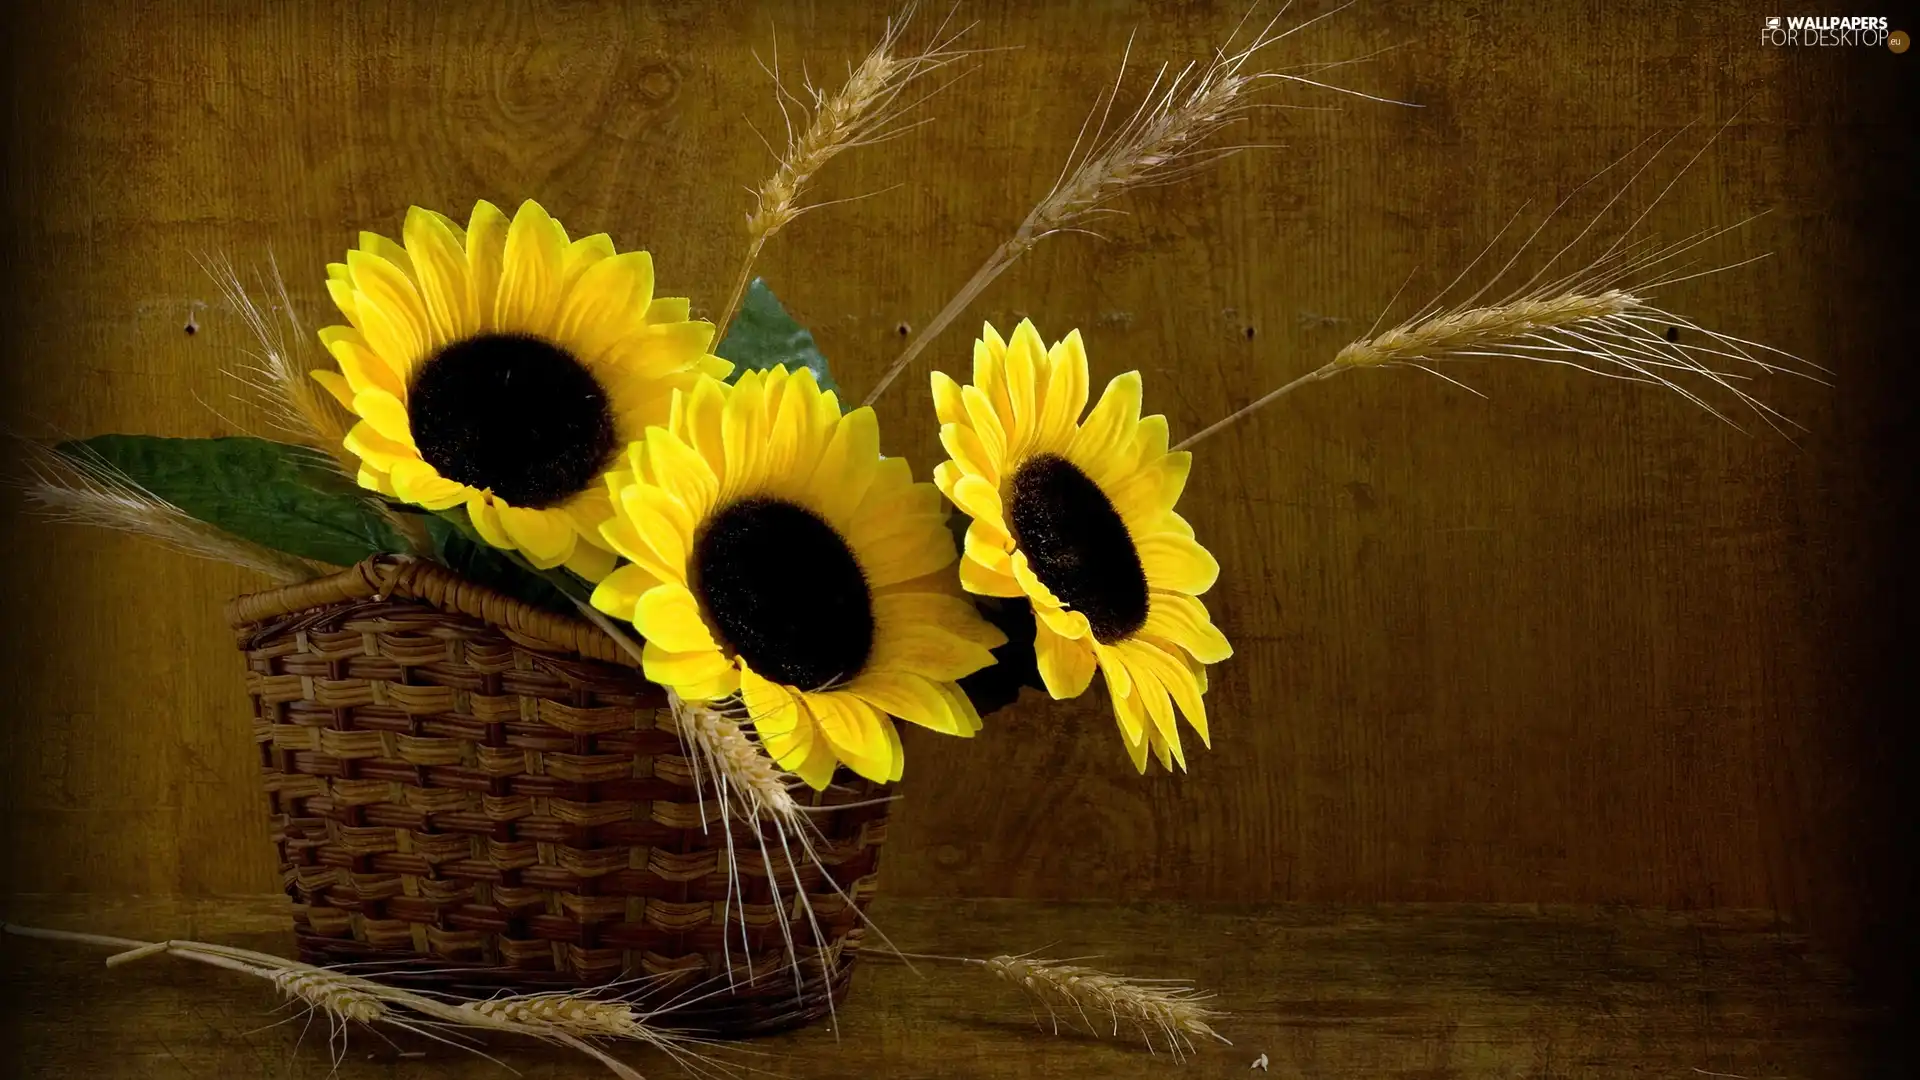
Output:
(501, 367)
(1077, 516)
(778, 563)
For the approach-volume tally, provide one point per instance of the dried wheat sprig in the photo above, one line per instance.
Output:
(750, 787)
(1165, 139)
(83, 489)
(865, 110)
(282, 386)
(342, 996)
(1600, 319)
(1171, 1009)
(1168, 1008)
(279, 383)
(586, 1017)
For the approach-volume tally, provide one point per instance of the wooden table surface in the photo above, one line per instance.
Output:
(1398, 991)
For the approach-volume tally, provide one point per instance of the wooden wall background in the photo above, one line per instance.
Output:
(1576, 643)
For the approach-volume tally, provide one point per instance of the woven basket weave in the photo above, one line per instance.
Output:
(477, 794)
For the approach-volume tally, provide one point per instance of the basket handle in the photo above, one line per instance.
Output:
(382, 577)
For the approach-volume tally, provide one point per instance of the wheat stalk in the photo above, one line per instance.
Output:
(567, 1019)
(83, 489)
(864, 111)
(1600, 319)
(279, 384)
(282, 386)
(1170, 1009)
(1166, 139)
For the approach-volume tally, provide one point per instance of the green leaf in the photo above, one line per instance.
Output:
(458, 547)
(763, 334)
(284, 497)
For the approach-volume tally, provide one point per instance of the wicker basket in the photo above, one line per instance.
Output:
(473, 794)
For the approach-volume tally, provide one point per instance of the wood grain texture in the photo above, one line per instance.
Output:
(1434, 992)
(1579, 643)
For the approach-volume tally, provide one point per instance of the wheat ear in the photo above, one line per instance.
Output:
(867, 109)
(1601, 319)
(1166, 1009)
(1167, 137)
(81, 488)
(280, 383)
(571, 1020)
(1171, 1010)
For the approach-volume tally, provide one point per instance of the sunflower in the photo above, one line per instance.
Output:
(502, 367)
(1078, 518)
(780, 564)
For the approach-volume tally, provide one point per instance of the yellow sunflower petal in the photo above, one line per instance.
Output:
(364, 369)
(340, 289)
(848, 466)
(1151, 490)
(1127, 712)
(985, 421)
(1108, 425)
(986, 581)
(440, 270)
(417, 482)
(980, 500)
(673, 669)
(1025, 363)
(1113, 666)
(390, 312)
(582, 254)
(530, 271)
(945, 611)
(618, 594)
(989, 371)
(703, 409)
(376, 449)
(384, 413)
(928, 651)
(856, 731)
(1066, 393)
(681, 472)
(989, 546)
(669, 309)
(1170, 669)
(374, 480)
(1066, 666)
(962, 708)
(917, 548)
(608, 300)
(1183, 620)
(661, 522)
(818, 767)
(1177, 563)
(947, 406)
(591, 561)
(670, 617)
(743, 432)
(545, 537)
(1143, 668)
(912, 698)
(970, 453)
(486, 253)
(335, 384)
(374, 244)
(486, 521)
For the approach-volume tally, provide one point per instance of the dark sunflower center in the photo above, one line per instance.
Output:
(1078, 547)
(512, 414)
(785, 592)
